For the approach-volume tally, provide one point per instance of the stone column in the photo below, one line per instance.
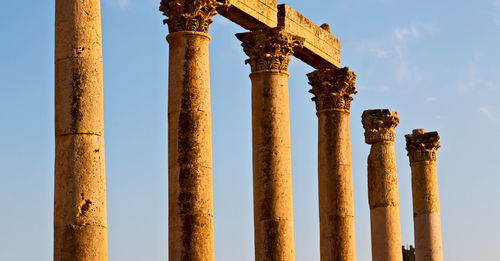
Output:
(190, 221)
(333, 89)
(269, 51)
(422, 147)
(80, 189)
(382, 184)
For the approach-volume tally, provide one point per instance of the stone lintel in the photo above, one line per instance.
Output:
(252, 14)
(321, 48)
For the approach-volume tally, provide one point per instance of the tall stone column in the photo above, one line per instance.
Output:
(422, 147)
(80, 189)
(269, 51)
(383, 185)
(190, 196)
(333, 89)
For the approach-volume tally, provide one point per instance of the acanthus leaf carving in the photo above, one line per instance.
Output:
(194, 15)
(422, 146)
(332, 88)
(269, 49)
(379, 125)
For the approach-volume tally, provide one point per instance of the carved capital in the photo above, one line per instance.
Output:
(332, 88)
(422, 146)
(379, 125)
(189, 15)
(269, 49)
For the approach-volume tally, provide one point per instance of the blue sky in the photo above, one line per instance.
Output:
(435, 62)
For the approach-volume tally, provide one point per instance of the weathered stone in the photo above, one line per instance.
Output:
(269, 52)
(252, 14)
(332, 89)
(321, 48)
(269, 49)
(422, 147)
(190, 196)
(382, 184)
(184, 15)
(80, 187)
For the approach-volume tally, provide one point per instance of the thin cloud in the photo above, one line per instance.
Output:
(395, 45)
(496, 5)
(488, 113)
(430, 99)
(476, 79)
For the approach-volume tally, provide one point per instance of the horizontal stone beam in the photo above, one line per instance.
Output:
(321, 48)
(252, 14)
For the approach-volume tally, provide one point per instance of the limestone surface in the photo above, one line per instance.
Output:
(80, 187)
(269, 51)
(332, 89)
(379, 128)
(422, 147)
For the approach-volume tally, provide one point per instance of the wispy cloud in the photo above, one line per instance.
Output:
(430, 99)
(496, 5)
(488, 113)
(396, 45)
(476, 79)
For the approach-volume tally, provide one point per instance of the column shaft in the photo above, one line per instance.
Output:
(190, 196)
(269, 52)
(384, 203)
(189, 148)
(422, 147)
(335, 187)
(382, 185)
(272, 174)
(332, 88)
(80, 189)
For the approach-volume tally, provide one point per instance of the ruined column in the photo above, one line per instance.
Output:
(269, 51)
(332, 89)
(79, 186)
(383, 185)
(190, 197)
(422, 147)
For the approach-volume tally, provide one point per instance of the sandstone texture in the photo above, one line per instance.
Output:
(80, 187)
(269, 52)
(332, 89)
(190, 196)
(321, 49)
(422, 147)
(382, 184)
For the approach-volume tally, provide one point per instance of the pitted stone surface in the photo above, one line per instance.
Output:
(185, 15)
(422, 146)
(383, 185)
(189, 148)
(321, 48)
(379, 125)
(269, 49)
(332, 88)
(80, 232)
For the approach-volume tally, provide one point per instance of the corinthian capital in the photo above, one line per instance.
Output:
(269, 49)
(379, 125)
(189, 15)
(332, 88)
(422, 145)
